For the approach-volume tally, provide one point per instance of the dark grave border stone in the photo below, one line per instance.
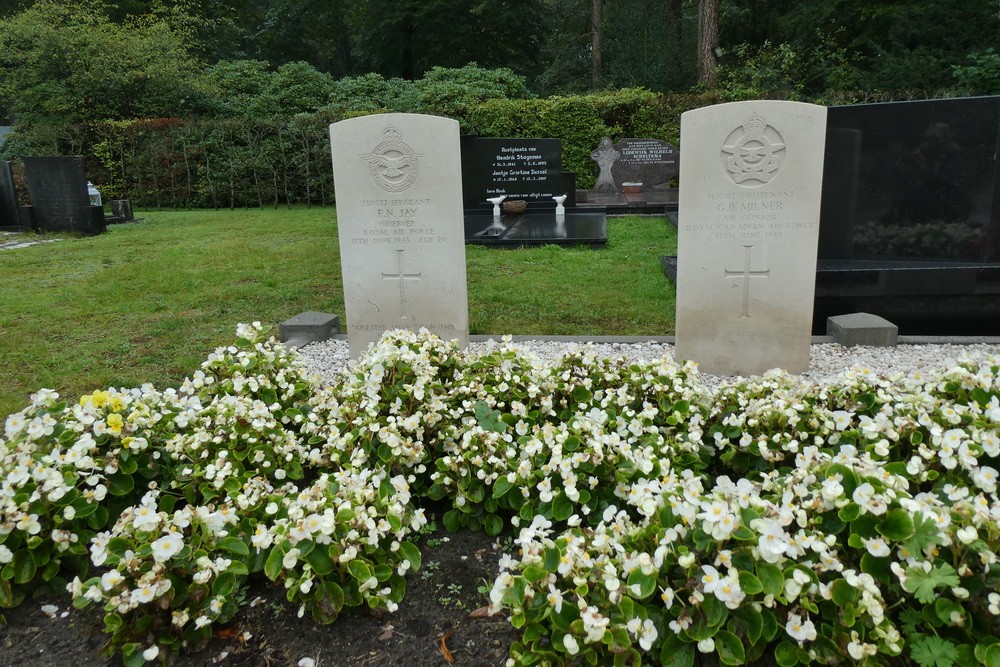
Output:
(57, 187)
(526, 229)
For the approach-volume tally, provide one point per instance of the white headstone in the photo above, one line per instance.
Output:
(748, 212)
(398, 184)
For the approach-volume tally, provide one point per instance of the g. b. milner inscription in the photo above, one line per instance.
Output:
(393, 164)
(753, 153)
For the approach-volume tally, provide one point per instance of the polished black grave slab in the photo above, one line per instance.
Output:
(530, 228)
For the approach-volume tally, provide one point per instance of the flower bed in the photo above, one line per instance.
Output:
(657, 518)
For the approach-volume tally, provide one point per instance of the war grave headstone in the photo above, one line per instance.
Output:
(8, 198)
(398, 188)
(528, 170)
(910, 227)
(57, 187)
(750, 187)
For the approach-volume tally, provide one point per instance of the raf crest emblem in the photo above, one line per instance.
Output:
(753, 153)
(392, 164)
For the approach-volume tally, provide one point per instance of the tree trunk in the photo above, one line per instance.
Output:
(597, 41)
(708, 38)
(676, 16)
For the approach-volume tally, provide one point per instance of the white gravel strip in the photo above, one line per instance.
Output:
(827, 360)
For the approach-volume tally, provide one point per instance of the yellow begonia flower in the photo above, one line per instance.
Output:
(97, 399)
(115, 423)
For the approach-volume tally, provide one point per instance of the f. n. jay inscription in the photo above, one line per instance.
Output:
(751, 177)
(399, 218)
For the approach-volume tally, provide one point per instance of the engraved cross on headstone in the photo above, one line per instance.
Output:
(746, 274)
(402, 278)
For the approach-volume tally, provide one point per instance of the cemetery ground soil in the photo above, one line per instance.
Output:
(434, 622)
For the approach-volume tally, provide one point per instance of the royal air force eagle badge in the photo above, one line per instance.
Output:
(392, 164)
(753, 153)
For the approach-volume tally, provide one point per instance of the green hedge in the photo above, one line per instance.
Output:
(251, 162)
(582, 120)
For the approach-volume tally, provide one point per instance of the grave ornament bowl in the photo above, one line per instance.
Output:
(515, 206)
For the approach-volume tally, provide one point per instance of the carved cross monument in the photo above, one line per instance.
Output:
(748, 222)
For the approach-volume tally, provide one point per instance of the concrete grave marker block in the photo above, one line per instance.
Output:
(398, 183)
(862, 329)
(750, 186)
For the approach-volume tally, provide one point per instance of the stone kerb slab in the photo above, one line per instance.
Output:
(398, 185)
(750, 186)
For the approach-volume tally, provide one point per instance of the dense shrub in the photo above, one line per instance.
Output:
(581, 121)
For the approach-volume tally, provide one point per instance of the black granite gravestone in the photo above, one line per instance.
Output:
(634, 175)
(648, 161)
(910, 224)
(528, 169)
(57, 187)
(8, 197)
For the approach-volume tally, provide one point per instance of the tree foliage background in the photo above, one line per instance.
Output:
(220, 90)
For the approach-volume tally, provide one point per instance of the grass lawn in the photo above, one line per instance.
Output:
(147, 302)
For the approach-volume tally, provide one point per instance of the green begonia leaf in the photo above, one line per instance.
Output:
(675, 652)
(896, 525)
(730, 648)
(786, 654)
(234, 545)
(771, 578)
(750, 584)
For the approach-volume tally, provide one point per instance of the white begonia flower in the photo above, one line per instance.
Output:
(967, 535)
(706, 645)
(572, 646)
(166, 547)
(145, 518)
(110, 579)
(144, 594)
(877, 547)
(799, 629)
(6, 555)
(711, 580)
(151, 653)
(555, 598)
(985, 477)
(594, 624)
(647, 635)
(773, 542)
(858, 649)
(29, 524)
(291, 558)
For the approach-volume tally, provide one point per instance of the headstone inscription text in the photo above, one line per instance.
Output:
(529, 169)
(399, 213)
(751, 177)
